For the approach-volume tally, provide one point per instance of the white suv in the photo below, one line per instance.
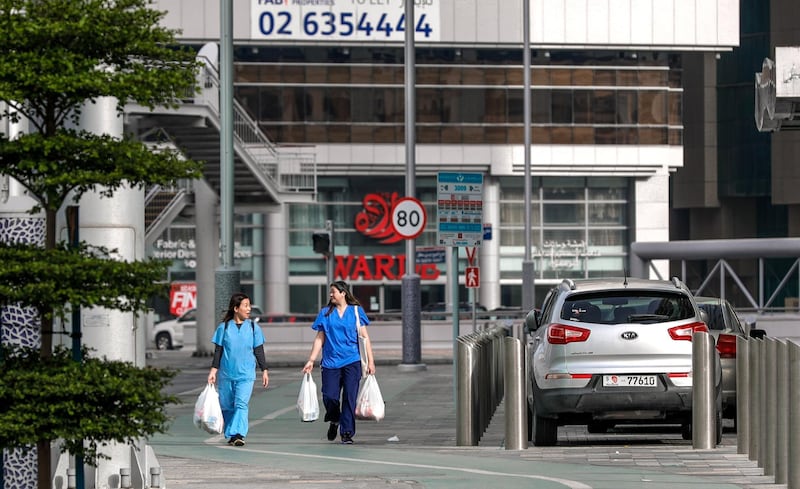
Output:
(613, 351)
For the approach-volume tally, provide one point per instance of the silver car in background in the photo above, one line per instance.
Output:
(605, 352)
(725, 326)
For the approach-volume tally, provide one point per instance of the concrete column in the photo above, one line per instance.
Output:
(276, 261)
(13, 200)
(489, 261)
(258, 268)
(115, 223)
(651, 208)
(207, 246)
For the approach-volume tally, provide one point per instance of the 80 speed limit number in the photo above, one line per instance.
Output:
(408, 217)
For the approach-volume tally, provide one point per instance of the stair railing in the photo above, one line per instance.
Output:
(289, 171)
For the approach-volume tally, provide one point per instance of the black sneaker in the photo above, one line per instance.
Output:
(232, 439)
(332, 429)
(347, 439)
(239, 441)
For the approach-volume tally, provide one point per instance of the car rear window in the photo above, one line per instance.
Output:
(715, 320)
(627, 307)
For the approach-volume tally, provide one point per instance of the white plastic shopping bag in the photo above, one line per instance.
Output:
(369, 403)
(307, 403)
(207, 411)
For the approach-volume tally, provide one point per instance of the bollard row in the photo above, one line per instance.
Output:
(768, 406)
(479, 382)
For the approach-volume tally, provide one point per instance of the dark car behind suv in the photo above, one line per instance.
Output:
(724, 324)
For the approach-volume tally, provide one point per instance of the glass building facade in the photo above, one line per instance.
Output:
(581, 222)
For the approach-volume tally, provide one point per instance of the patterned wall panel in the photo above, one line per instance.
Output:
(20, 326)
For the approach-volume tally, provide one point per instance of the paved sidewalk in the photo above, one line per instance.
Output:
(415, 445)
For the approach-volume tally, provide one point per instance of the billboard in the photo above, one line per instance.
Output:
(182, 297)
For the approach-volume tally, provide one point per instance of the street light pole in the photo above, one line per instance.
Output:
(331, 258)
(226, 280)
(73, 232)
(412, 350)
(528, 266)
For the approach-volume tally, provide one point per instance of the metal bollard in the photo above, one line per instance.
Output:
(71, 478)
(124, 478)
(482, 375)
(703, 400)
(465, 393)
(755, 404)
(155, 477)
(782, 406)
(762, 404)
(514, 386)
(793, 452)
(742, 395)
(771, 407)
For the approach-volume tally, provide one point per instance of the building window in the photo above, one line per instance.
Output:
(299, 96)
(579, 227)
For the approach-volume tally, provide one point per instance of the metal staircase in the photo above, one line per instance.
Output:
(162, 205)
(265, 174)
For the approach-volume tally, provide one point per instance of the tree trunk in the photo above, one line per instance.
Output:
(43, 447)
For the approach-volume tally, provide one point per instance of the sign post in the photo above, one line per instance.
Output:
(472, 280)
(460, 223)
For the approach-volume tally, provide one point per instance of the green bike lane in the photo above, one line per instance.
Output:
(413, 447)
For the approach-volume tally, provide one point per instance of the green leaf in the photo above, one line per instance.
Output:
(85, 404)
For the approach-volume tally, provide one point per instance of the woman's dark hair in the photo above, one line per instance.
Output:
(236, 301)
(342, 286)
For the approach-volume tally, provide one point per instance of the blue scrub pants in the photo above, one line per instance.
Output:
(234, 399)
(341, 383)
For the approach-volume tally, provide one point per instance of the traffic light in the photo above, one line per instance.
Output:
(321, 242)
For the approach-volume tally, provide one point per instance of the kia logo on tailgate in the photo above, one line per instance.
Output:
(629, 335)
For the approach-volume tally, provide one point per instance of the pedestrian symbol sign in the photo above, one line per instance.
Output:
(473, 277)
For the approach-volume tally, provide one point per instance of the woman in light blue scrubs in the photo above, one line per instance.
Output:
(239, 345)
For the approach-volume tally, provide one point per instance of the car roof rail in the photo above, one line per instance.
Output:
(676, 282)
(569, 283)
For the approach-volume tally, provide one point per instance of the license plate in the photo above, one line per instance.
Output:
(629, 381)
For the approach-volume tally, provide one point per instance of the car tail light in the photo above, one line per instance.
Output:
(685, 332)
(726, 346)
(561, 334)
(562, 376)
(679, 375)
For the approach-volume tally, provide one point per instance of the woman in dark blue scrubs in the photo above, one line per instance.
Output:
(337, 337)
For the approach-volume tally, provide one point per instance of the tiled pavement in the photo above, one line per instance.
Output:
(421, 422)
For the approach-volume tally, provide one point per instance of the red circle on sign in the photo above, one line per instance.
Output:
(408, 217)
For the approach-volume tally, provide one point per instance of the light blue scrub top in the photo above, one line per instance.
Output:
(238, 361)
(341, 338)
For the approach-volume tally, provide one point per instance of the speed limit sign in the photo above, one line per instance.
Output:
(408, 217)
